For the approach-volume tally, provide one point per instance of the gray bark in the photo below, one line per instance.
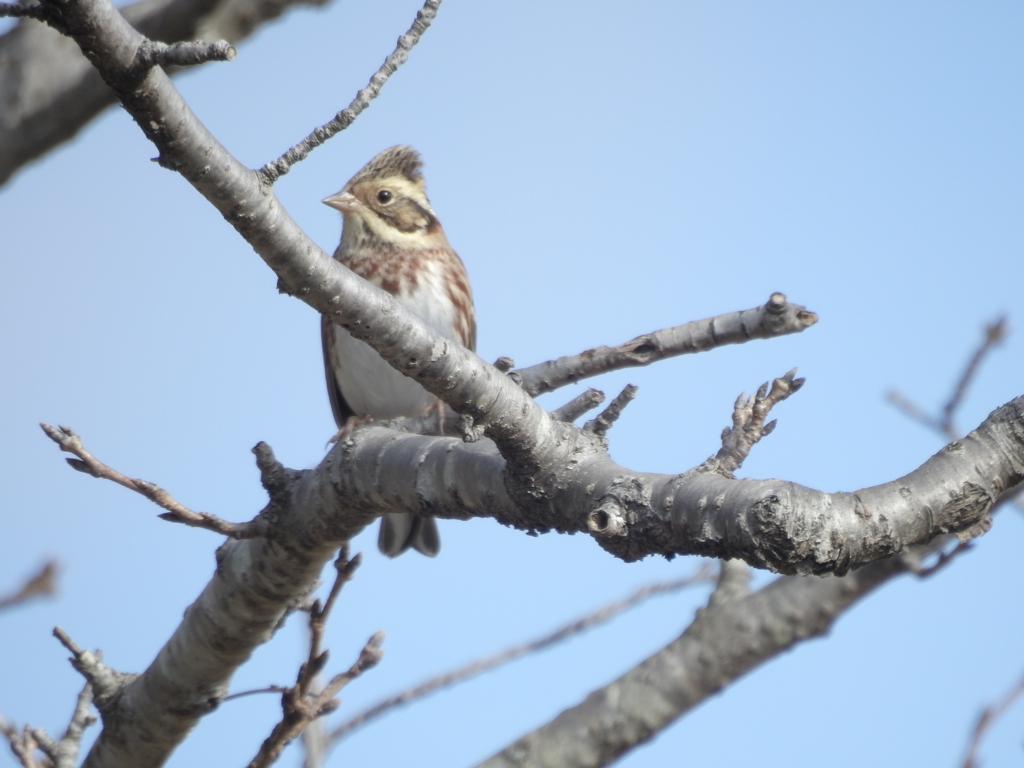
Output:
(726, 640)
(533, 472)
(49, 91)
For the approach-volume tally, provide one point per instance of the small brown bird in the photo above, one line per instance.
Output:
(391, 237)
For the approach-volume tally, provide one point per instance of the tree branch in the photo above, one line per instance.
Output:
(480, 666)
(748, 425)
(70, 442)
(49, 91)
(275, 169)
(538, 474)
(735, 633)
(38, 585)
(986, 720)
(995, 333)
(768, 523)
(776, 318)
(301, 706)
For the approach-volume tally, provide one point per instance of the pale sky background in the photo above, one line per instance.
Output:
(604, 169)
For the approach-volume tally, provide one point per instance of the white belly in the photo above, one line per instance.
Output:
(370, 386)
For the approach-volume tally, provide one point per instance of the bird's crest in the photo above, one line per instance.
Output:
(394, 161)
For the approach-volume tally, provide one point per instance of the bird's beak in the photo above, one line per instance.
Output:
(344, 202)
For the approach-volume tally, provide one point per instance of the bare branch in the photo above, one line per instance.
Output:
(748, 417)
(184, 54)
(255, 691)
(578, 405)
(603, 421)
(23, 744)
(914, 558)
(300, 704)
(275, 169)
(608, 612)
(776, 318)
(14, 10)
(986, 720)
(60, 754)
(42, 583)
(708, 655)
(912, 411)
(70, 442)
(104, 681)
(995, 333)
(49, 90)
(539, 474)
(64, 753)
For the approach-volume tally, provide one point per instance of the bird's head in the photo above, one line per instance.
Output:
(387, 200)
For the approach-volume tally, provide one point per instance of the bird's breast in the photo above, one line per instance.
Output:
(423, 282)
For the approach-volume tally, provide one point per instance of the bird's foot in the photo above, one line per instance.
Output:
(350, 424)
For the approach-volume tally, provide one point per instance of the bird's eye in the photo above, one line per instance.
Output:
(384, 197)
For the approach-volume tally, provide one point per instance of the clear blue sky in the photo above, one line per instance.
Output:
(604, 169)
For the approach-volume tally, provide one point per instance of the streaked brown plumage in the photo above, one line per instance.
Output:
(392, 238)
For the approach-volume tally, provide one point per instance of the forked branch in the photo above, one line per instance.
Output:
(177, 512)
(608, 612)
(300, 704)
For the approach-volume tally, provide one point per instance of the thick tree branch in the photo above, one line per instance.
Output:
(767, 523)
(259, 581)
(736, 632)
(776, 318)
(539, 473)
(49, 91)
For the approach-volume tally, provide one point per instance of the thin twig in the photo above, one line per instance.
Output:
(104, 681)
(300, 705)
(986, 720)
(42, 583)
(61, 754)
(36, 11)
(910, 409)
(777, 317)
(275, 169)
(995, 333)
(254, 691)
(914, 560)
(703, 575)
(22, 743)
(70, 442)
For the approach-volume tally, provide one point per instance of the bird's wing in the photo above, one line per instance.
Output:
(471, 346)
(341, 409)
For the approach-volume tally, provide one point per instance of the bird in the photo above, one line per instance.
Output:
(392, 238)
